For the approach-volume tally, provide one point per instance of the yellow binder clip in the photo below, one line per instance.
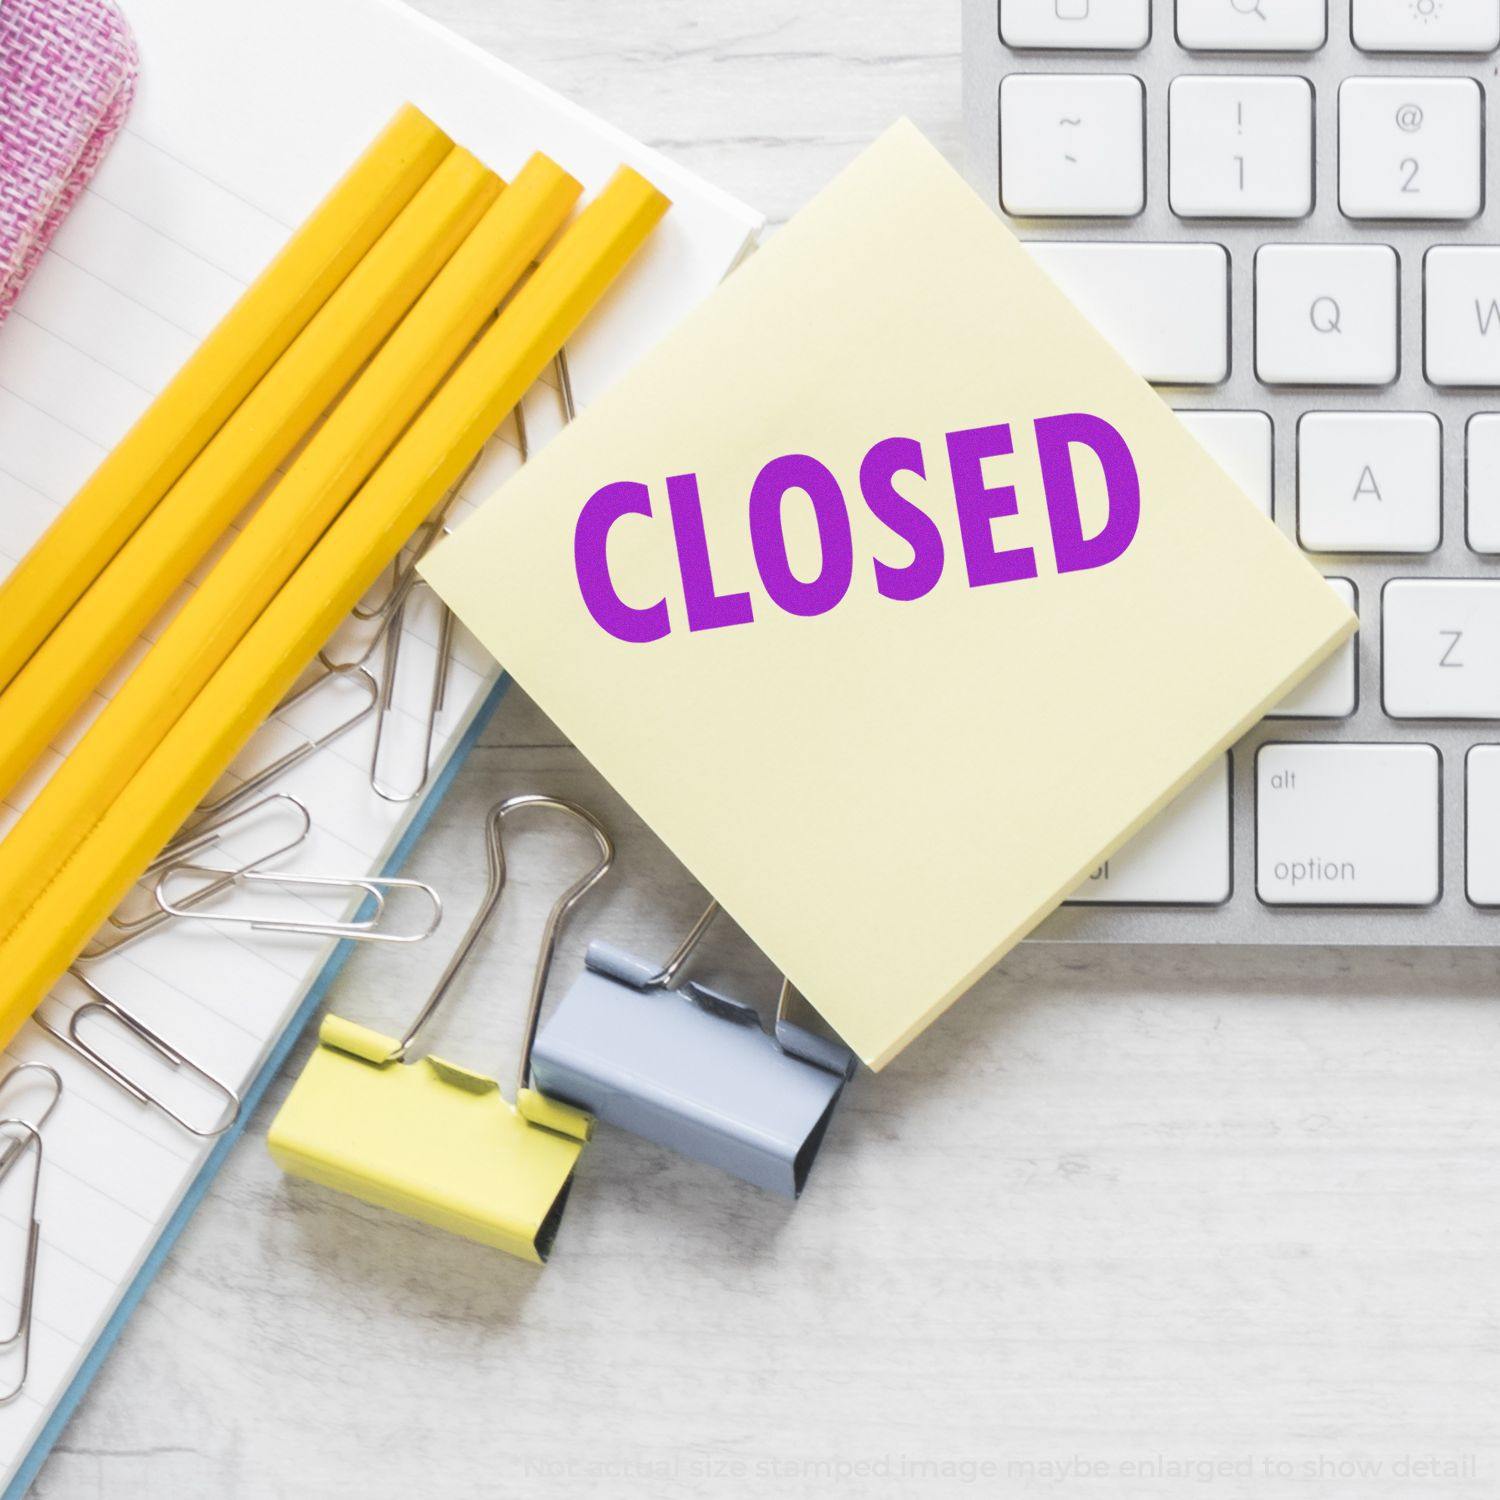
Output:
(433, 1140)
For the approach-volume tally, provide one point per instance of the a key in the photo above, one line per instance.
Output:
(1483, 471)
(1240, 443)
(1251, 25)
(1463, 315)
(1427, 25)
(1369, 481)
(1241, 148)
(1182, 856)
(1411, 148)
(1100, 25)
(1482, 824)
(1164, 307)
(1326, 314)
(1440, 645)
(1072, 144)
(1332, 691)
(1347, 825)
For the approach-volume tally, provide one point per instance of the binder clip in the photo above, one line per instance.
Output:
(693, 1069)
(432, 1139)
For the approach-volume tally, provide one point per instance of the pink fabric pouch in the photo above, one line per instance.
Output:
(67, 75)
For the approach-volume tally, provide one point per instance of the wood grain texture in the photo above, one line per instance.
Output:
(1121, 1208)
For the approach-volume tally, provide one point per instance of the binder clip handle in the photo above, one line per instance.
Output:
(793, 1029)
(561, 908)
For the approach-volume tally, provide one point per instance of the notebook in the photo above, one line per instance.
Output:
(888, 595)
(245, 114)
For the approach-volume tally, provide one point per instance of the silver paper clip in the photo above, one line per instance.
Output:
(404, 576)
(178, 1061)
(564, 390)
(391, 614)
(12, 1148)
(691, 1068)
(311, 744)
(25, 1137)
(125, 929)
(364, 927)
(436, 696)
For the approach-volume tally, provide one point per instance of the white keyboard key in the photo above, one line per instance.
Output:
(1182, 856)
(1483, 470)
(1242, 148)
(1347, 825)
(1326, 314)
(1072, 144)
(1252, 25)
(1463, 315)
(1164, 307)
(1240, 443)
(1440, 642)
(1411, 148)
(1369, 481)
(1427, 25)
(1482, 824)
(1332, 692)
(1102, 25)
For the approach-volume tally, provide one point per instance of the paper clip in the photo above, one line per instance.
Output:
(310, 744)
(13, 1147)
(124, 930)
(364, 927)
(392, 615)
(29, 1138)
(691, 1068)
(565, 391)
(404, 576)
(104, 1006)
(436, 696)
(432, 1139)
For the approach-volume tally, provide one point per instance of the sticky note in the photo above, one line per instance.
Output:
(888, 595)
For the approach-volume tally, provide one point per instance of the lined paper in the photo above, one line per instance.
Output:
(199, 191)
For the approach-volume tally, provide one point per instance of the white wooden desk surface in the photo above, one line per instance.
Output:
(1150, 1209)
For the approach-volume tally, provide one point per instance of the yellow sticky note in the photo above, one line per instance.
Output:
(888, 595)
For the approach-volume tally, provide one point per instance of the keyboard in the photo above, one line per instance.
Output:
(1277, 210)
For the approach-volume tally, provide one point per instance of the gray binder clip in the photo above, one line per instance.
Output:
(691, 1068)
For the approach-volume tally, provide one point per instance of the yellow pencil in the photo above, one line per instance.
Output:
(267, 425)
(359, 430)
(226, 367)
(60, 916)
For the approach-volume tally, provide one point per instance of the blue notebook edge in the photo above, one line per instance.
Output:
(63, 1411)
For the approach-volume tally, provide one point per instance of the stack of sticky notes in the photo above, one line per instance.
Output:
(889, 596)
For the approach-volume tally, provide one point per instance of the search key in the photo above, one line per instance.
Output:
(1252, 25)
(1326, 314)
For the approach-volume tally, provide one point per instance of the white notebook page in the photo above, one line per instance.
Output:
(245, 116)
